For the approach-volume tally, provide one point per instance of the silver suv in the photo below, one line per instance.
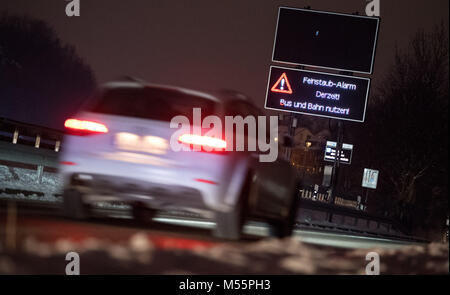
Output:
(117, 149)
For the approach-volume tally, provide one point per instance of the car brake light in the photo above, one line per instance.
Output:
(85, 126)
(205, 141)
(67, 163)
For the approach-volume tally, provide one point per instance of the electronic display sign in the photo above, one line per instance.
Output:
(325, 39)
(317, 94)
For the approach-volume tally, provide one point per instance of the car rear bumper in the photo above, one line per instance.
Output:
(197, 179)
(98, 187)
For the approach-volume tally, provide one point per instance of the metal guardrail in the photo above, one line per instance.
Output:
(28, 155)
(384, 226)
(11, 154)
(29, 130)
(29, 145)
(343, 210)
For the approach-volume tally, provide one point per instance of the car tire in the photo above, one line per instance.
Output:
(73, 205)
(284, 228)
(229, 225)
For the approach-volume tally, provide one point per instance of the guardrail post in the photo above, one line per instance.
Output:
(57, 145)
(40, 172)
(15, 136)
(38, 141)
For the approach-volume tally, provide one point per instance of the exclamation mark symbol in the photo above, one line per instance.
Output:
(282, 85)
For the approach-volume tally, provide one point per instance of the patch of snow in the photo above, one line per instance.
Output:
(26, 179)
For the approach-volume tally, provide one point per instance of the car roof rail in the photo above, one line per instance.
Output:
(128, 78)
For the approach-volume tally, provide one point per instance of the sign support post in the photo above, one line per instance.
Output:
(367, 196)
(337, 158)
(291, 129)
(336, 164)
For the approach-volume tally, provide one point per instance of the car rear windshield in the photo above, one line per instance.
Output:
(151, 103)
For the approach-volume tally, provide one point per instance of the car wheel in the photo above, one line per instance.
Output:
(284, 228)
(73, 205)
(143, 214)
(229, 225)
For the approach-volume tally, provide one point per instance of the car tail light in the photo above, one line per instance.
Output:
(204, 141)
(84, 127)
(69, 163)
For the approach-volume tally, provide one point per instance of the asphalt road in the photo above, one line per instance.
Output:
(37, 239)
(47, 222)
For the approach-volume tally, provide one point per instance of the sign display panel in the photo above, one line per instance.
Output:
(346, 152)
(370, 178)
(318, 94)
(325, 39)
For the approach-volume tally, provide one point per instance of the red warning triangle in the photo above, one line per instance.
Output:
(282, 85)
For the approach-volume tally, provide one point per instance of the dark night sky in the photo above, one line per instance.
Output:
(205, 44)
